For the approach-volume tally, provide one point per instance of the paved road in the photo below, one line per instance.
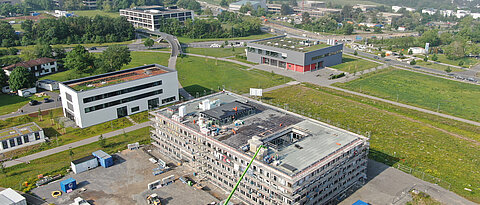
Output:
(73, 145)
(387, 185)
(28, 109)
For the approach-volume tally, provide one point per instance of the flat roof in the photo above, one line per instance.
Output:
(12, 195)
(112, 78)
(155, 10)
(83, 159)
(101, 154)
(227, 110)
(243, 2)
(19, 130)
(269, 124)
(291, 43)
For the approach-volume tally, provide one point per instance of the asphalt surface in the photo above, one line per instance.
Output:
(28, 109)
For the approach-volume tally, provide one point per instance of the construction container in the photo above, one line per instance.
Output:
(68, 185)
(105, 159)
(84, 164)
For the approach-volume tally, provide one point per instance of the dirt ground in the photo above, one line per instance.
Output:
(126, 183)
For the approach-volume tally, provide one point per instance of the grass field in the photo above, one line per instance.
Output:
(447, 96)
(139, 58)
(52, 131)
(58, 163)
(11, 103)
(243, 60)
(91, 13)
(200, 75)
(468, 61)
(252, 37)
(435, 66)
(216, 52)
(352, 64)
(439, 147)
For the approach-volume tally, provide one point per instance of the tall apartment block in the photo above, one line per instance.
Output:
(302, 160)
(149, 17)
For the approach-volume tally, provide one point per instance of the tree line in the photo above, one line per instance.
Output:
(227, 24)
(98, 29)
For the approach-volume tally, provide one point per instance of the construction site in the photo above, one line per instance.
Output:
(293, 159)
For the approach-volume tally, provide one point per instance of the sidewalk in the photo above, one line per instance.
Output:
(62, 148)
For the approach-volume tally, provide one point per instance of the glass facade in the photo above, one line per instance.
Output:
(124, 100)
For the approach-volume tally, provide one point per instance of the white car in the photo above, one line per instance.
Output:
(215, 45)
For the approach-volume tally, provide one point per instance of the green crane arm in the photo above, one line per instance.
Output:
(241, 177)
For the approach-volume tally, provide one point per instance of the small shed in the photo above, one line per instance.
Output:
(105, 159)
(68, 185)
(11, 197)
(84, 164)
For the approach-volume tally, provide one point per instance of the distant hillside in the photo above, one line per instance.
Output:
(438, 4)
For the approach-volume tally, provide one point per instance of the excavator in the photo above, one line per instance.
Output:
(153, 199)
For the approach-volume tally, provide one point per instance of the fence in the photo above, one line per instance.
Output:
(423, 176)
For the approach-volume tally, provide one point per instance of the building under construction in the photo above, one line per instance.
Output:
(303, 161)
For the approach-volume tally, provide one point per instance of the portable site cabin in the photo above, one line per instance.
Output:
(84, 164)
(11, 197)
(68, 185)
(105, 159)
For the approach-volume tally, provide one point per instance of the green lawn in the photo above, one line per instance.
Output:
(397, 135)
(201, 75)
(52, 131)
(91, 13)
(216, 52)
(140, 117)
(11, 103)
(435, 66)
(352, 64)
(58, 163)
(252, 37)
(468, 61)
(242, 60)
(451, 97)
(139, 58)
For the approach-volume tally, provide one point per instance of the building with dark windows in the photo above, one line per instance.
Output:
(300, 55)
(39, 67)
(302, 161)
(149, 17)
(101, 98)
(20, 136)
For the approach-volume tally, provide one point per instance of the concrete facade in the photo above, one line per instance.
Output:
(102, 104)
(305, 162)
(21, 136)
(294, 60)
(150, 17)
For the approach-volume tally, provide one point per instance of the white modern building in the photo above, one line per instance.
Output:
(101, 98)
(84, 164)
(40, 67)
(417, 50)
(47, 84)
(20, 136)
(150, 17)
(11, 197)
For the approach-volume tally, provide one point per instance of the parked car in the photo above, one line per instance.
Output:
(33, 102)
(46, 100)
(215, 45)
(93, 48)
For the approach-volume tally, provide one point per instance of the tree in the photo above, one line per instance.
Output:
(208, 11)
(306, 18)
(448, 69)
(59, 52)
(286, 9)
(224, 3)
(79, 60)
(3, 79)
(114, 57)
(102, 142)
(410, 52)
(347, 29)
(460, 63)
(434, 57)
(355, 52)
(377, 29)
(425, 59)
(383, 54)
(20, 78)
(455, 50)
(413, 62)
(71, 153)
(149, 42)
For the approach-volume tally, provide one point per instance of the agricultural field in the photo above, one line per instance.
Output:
(58, 163)
(217, 52)
(200, 76)
(56, 132)
(443, 148)
(437, 94)
(352, 64)
(252, 37)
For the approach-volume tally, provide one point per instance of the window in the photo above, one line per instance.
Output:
(12, 142)
(259, 51)
(120, 92)
(167, 100)
(124, 100)
(4, 145)
(37, 136)
(25, 138)
(135, 109)
(19, 141)
(70, 106)
(69, 97)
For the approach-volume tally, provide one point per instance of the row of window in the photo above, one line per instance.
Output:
(120, 92)
(326, 54)
(11, 142)
(124, 100)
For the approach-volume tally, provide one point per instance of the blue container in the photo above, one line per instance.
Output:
(68, 184)
(105, 159)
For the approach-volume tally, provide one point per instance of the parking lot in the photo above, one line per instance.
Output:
(126, 182)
